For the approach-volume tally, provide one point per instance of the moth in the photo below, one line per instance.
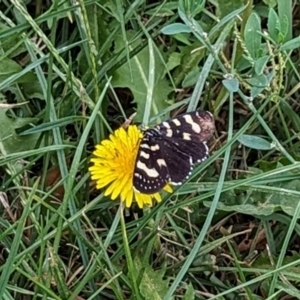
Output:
(169, 151)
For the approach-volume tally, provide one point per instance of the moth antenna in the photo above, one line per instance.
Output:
(128, 121)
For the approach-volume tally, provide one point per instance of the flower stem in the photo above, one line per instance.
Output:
(131, 269)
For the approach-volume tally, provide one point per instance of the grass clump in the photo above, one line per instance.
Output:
(73, 72)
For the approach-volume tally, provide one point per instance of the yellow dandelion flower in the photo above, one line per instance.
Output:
(114, 164)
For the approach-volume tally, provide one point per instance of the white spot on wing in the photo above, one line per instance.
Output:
(195, 127)
(176, 122)
(187, 136)
(150, 172)
(169, 133)
(166, 124)
(161, 162)
(154, 148)
(175, 183)
(145, 146)
(144, 154)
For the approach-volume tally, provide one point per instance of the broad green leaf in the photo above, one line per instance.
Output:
(224, 8)
(9, 67)
(270, 3)
(11, 44)
(254, 142)
(19, 16)
(190, 293)
(134, 75)
(265, 166)
(260, 64)
(289, 290)
(284, 27)
(33, 89)
(290, 45)
(152, 286)
(243, 64)
(191, 7)
(252, 35)
(260, 81)
(190, 79)
(249, 209)
(174, 60)
(273, 24)
(175, 29)
(265, 201)
(11, 142)
(188, 71)
(285, 13)
(232, 85)
(287, 201)
(183, 38)
(292, 273)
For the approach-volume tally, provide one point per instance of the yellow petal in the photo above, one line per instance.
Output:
(120, 186)
(168, 188)
(128, 198)
(157, 197)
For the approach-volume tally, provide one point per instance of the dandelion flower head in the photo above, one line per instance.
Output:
(113, 167)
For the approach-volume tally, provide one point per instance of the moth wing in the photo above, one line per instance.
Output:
(150, 173)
